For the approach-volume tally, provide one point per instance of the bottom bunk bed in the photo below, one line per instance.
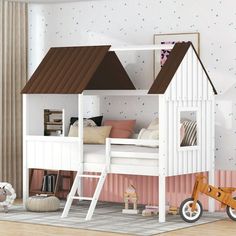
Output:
(118, 156)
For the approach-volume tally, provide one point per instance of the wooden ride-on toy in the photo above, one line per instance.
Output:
(191, 208)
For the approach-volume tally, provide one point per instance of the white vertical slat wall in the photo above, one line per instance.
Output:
(52, 152)
(190, 90)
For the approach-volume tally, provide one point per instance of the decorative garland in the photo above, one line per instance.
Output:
(7, 195)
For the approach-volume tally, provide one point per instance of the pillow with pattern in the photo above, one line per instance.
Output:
(190, 136)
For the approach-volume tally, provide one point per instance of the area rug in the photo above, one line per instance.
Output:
(107, 217)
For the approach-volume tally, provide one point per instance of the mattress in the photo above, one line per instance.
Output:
(94, 153)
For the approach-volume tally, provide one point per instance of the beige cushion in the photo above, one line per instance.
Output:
(152, 134)
(154, 124)
(73, 132)
(148, 134)
(92, 135)
(42, 204)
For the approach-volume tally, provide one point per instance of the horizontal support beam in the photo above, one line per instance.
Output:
(137, 92)
(134, 141)
(51, 138)
(90, 176)
(150, 47)
(134, 155)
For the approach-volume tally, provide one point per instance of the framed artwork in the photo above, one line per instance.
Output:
(160, 56)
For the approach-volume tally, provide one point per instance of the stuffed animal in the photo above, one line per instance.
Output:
(7, 196)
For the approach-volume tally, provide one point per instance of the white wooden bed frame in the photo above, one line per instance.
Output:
(66, 153)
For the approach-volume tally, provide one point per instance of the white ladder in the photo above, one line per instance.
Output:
(93, 200)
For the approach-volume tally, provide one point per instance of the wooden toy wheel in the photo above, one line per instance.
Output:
(186, 212)
(231, 212)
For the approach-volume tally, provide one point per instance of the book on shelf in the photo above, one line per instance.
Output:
(49, 183)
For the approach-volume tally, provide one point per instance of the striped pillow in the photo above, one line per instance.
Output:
(190, 138)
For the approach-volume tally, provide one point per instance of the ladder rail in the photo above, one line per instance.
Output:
(93, 199)
(71, 194)
(96, 195)
(78, 181)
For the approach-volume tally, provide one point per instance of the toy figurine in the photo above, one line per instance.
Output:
(130, 196)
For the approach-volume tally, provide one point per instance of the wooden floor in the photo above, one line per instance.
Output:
(219, 228)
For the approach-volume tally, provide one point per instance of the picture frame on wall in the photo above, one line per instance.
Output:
(160, 56)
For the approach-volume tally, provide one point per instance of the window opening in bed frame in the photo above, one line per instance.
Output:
(188, 128)
(53, 122)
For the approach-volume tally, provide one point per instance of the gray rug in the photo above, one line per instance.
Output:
(107, 217)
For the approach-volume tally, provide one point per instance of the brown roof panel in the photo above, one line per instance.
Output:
(111, 75)
(69, 70)
(170, 67)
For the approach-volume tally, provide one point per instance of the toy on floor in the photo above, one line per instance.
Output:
(7, 196)
(130, 196)
(191, 208)
(150, 211)
(173, 211)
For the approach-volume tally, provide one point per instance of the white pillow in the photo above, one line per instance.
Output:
(152, 134)
(86, 123)
(154, 124)
(148, 134)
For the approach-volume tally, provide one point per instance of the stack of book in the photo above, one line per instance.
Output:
(49, 182)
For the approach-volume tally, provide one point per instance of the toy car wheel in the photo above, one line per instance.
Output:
(186, 212)
(231, 212)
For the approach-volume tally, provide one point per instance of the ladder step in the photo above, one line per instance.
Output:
(93, 199)
(90, 176)
(83, 198)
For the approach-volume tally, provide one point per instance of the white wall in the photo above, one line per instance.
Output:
(143, 109)
(119, 22)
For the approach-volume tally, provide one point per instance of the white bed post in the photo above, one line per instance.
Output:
(162, 159)
(81, 135)
(211, 174)
(25, 168)
(211, 181)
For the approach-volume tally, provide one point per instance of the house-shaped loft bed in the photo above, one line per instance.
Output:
(64, 79)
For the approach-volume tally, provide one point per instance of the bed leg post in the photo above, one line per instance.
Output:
(211, 201)
(162, 198)
(25, 185)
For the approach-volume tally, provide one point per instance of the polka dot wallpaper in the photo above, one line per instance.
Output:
(124, 22)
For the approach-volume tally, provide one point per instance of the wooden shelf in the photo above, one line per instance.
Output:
(53, 130)
(58, 188)
(53, 123)
(53, 112)
(49, 193)
(40, 192)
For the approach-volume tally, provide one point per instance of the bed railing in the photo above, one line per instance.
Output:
(136, 155)
(51, 152)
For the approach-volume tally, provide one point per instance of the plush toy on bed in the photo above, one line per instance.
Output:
(7, 196)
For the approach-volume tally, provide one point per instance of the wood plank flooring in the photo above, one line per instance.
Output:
(219, 228)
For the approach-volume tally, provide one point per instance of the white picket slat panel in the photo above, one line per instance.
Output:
(52, 154)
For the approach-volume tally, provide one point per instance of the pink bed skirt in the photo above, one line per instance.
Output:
(178, 188)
